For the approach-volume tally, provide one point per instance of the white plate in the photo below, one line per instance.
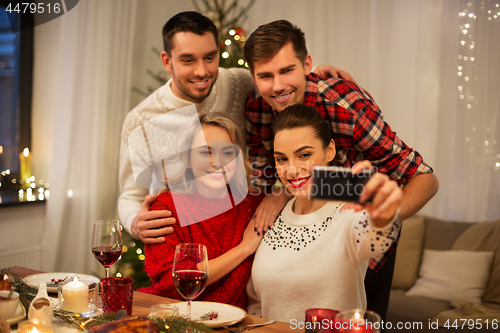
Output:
(228, 314)
(18, 316)
(35, 279)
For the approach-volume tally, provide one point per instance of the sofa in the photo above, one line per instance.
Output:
(447, 275)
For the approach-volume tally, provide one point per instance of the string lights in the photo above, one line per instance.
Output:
(231, 48)
(27, 189)
(468, 73)
(228, 16)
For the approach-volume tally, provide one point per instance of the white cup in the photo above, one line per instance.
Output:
(9, 306)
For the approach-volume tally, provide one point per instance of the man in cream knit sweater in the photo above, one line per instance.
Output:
(192, 57)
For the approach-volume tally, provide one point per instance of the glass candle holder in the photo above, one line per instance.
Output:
(320, 320)
(117, 294)
(81, 299)
(357, 321)
(29, 327)
(163, 310)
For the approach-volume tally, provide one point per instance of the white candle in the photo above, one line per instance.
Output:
(75, 296)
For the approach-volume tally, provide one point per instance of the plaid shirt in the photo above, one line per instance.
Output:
(358, 129)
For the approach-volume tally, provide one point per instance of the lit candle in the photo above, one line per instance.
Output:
(355, 322)
(25, 163)
(29, 327)
(320, 320)
(75, 296)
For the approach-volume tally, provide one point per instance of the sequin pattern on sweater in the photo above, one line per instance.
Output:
(295, 238)
(281, 235)
(383, 239)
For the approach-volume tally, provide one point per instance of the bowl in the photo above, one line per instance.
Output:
(9, 306)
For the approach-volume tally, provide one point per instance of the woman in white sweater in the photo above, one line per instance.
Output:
(315, 256)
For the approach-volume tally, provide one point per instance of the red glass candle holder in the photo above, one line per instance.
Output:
(320, 320)
(117, 294)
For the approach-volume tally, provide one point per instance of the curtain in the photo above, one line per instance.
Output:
(469, 109)
(406, 55)
(91, 101)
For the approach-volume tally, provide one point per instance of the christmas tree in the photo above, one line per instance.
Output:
(228, 18)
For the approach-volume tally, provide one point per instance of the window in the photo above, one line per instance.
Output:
(16, 66)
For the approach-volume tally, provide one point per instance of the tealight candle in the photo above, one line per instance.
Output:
(357, 321)
(29, 327)
(75, 296)
(320, 320)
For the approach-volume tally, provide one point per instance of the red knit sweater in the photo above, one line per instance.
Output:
(219, 234)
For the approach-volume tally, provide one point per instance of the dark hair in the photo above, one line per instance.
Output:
(300, 115)
(187, 22)
(270, 38)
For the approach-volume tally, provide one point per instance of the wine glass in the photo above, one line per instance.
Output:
(190, 271)
(107, 242)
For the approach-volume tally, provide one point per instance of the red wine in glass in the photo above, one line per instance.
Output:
(190, 283)
(107, 255)
(190, 271)
(107, 242)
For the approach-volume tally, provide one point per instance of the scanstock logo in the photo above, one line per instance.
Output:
(26, 14)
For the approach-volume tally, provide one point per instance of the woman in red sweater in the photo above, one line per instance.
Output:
(211, 201)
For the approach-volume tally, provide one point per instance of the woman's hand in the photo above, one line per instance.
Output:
(385, 195)
(251, 239)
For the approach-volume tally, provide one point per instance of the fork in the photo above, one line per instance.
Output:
(245, 327)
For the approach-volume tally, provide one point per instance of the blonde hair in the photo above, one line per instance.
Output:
(180, 180)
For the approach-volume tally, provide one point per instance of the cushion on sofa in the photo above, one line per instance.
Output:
(441, 235)
(453, 275)
(409, 252)
(485, 237)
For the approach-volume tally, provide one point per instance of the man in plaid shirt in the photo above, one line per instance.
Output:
(281, 68)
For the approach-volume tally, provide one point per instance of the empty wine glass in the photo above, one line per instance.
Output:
(190, 271)
(107, 242)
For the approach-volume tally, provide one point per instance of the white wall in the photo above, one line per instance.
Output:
(151, 16)
(21, 229)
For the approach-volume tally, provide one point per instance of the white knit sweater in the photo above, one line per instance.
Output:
(317, 260)
(228, 95)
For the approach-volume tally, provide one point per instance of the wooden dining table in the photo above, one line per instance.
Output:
(142, 302)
